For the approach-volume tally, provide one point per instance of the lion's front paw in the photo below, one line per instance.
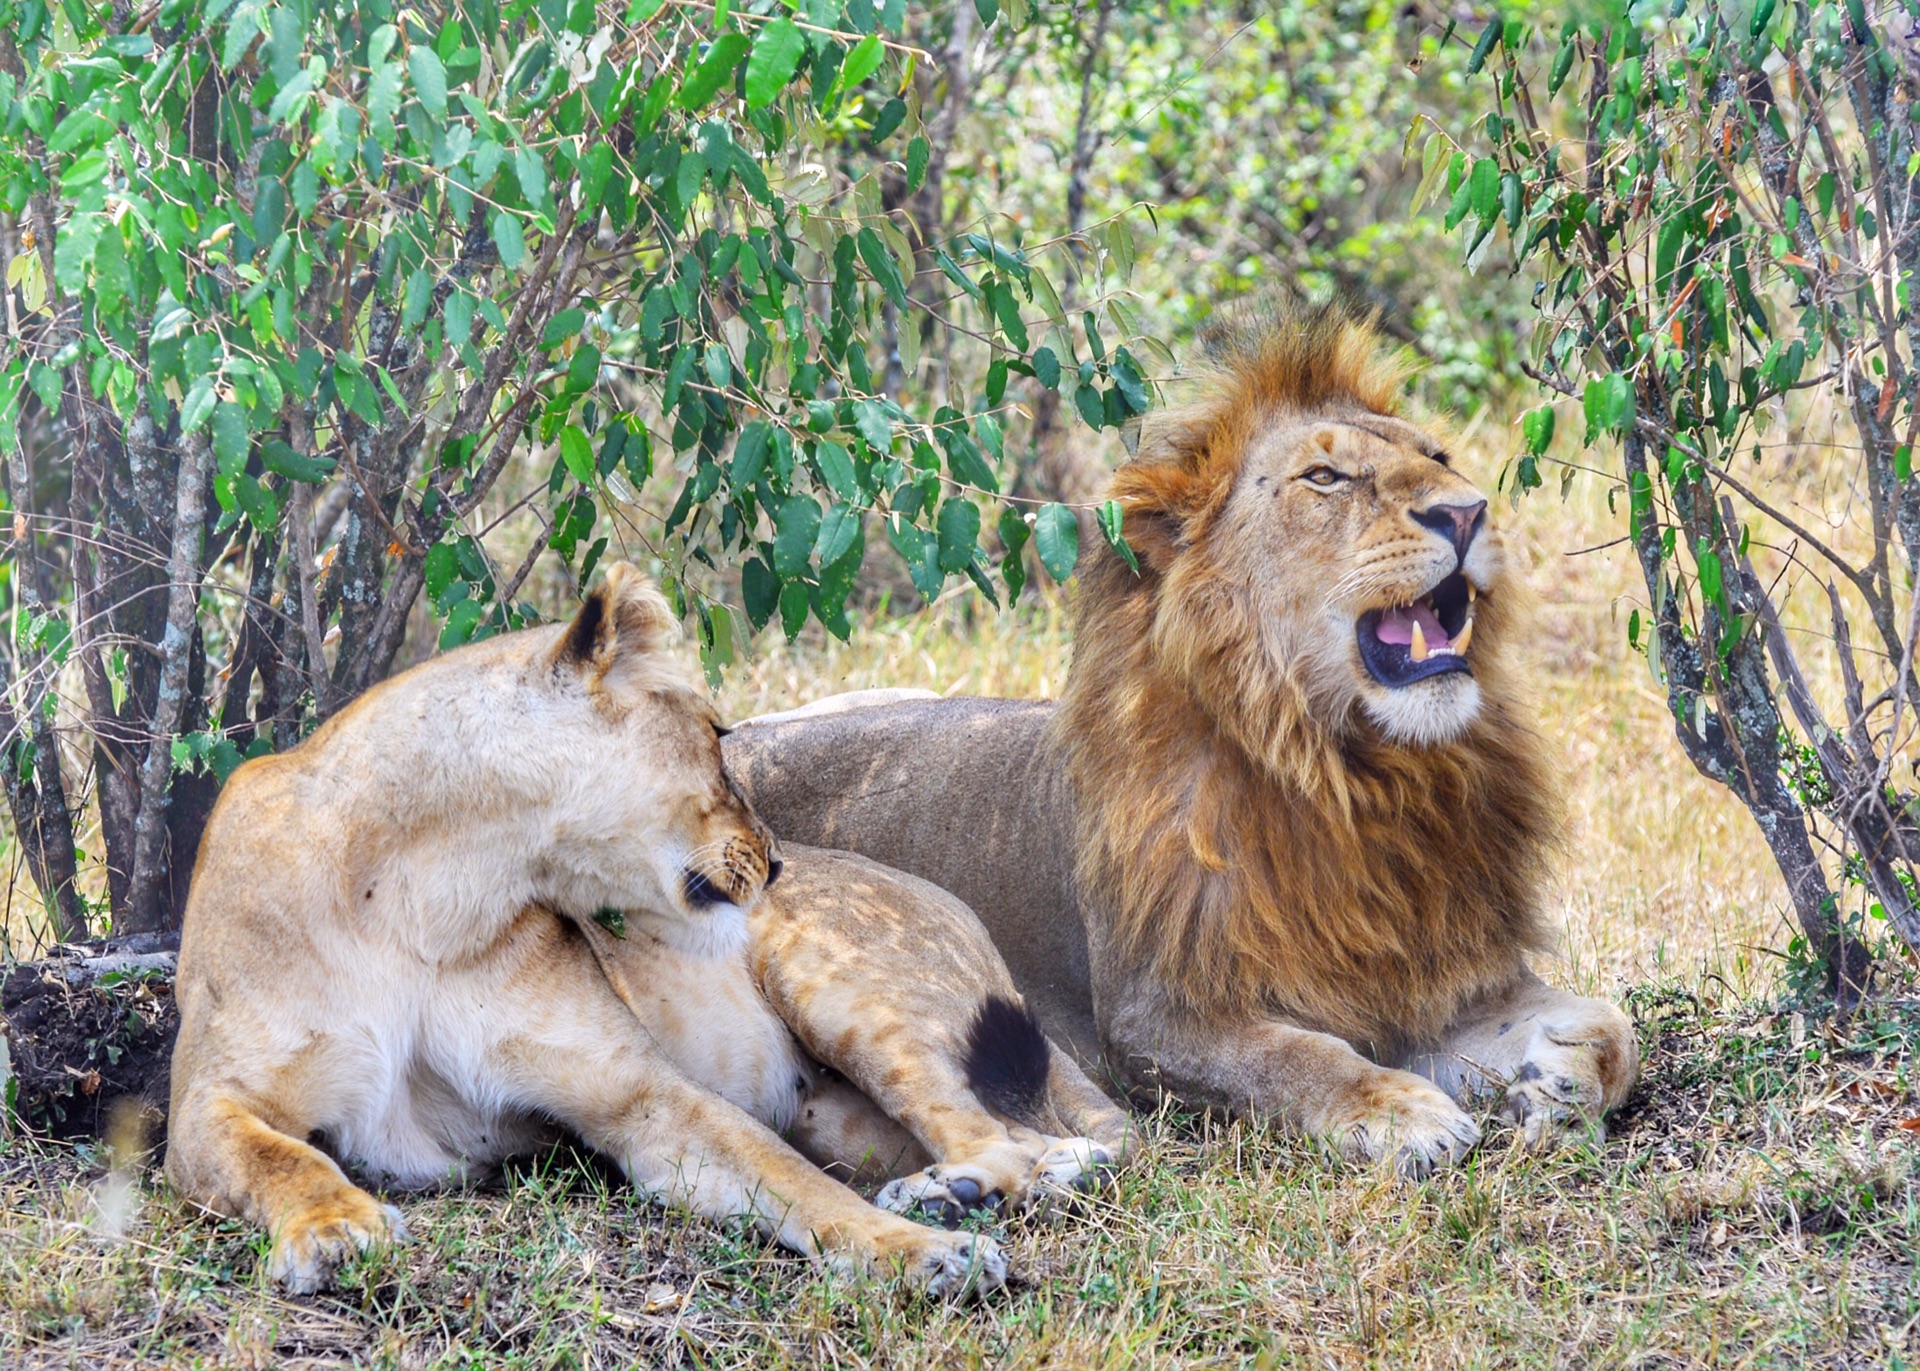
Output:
(946, 1265)
(1078, 1165)
(1561, 1089)
(313, 1243)
(1401, 1118)
(945, 1194)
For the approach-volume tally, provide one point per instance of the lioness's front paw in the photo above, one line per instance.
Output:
(947, 1265)
(313, 1243)
(1559, 1091)
(1401, 1118)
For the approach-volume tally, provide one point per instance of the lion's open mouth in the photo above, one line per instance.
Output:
(1402, 644)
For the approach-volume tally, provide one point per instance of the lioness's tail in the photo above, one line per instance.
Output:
(1012, 1067)
(1008, 1058)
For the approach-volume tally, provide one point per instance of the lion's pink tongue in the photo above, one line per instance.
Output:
(1396, 626)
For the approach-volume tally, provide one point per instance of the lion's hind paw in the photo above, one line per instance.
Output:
(1551, 1105)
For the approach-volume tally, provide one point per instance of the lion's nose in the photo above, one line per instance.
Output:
(1456, 523)
(774, 867)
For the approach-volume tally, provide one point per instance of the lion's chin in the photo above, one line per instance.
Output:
(1430, 712)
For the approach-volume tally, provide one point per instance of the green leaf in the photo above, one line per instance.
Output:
(577, 453)
(705, 80)
(595, 171)
(837, 532)
(1126, 375)
(531, 173)
(959, 531)
(750, 454)
(871, 419)
(1512, 204)
(836, 465)
(795, 531)
(793, 608)
(861, 63)
(1110, 517)
(429, 80)
(777, 49)
(880, 262)
(197, 408)
(440, 568)
(256, 502)
(1562, 61)
(584, 369)
(230, 443)
(760, 591)
(1536, 425)
(1484, 48)
(295, 466)
(509, 239)
(1608, 402)
(1483, 192)
(562, 327)
(919, 152)
(1006, 308)
(612, 920)
(1013, 536)
(1056, 536)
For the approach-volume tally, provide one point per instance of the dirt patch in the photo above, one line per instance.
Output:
(86, 1031)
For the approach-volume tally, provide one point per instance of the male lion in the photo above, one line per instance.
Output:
(394, 947)
(1280, 846)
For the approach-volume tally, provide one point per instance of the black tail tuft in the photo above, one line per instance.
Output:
(1008, 1058)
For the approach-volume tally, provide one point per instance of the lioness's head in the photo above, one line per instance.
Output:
(1293, 514)
(662, 831)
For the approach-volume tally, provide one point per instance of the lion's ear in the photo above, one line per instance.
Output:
(625, 617)
(1155, 498)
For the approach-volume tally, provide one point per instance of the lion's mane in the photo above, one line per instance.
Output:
(1251, 855)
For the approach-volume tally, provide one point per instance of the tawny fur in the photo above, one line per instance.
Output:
(1237, 863)
(1364, 887)
(392, 947)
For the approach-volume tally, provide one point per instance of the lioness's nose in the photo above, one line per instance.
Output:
(1456, 523)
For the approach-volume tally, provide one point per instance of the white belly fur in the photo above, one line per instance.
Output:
(425, 1108)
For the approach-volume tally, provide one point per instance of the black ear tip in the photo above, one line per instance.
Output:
(583, 634)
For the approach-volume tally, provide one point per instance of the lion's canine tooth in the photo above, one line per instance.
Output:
(1462, 638)
(1419, 648)
(1472, 594)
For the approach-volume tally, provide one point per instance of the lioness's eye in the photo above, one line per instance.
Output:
(1324, 477)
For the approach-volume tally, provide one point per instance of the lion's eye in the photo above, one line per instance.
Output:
(1324, 477)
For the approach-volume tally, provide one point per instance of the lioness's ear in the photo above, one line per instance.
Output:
(624, 616)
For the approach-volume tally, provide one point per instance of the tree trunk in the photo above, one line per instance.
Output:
(151, 904)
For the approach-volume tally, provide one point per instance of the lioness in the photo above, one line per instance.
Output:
(1280, 847)
(400, 946)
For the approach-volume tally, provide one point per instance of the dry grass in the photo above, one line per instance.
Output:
(1755, 1207)
(1758, 1203)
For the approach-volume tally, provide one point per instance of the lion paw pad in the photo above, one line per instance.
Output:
(943, 1196)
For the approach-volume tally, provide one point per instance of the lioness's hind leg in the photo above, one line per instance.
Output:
(846, 1134)
(226, 1157)
(895, 984)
